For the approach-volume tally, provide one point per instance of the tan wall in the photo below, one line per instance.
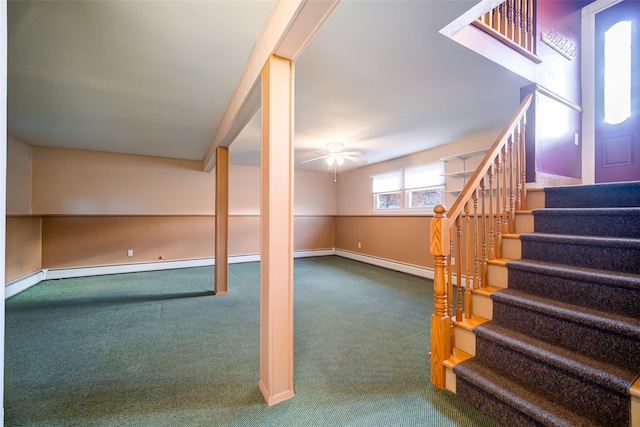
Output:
(72, 241)
(399, 238)
(18, 177)
(23, 246)
(95, 206)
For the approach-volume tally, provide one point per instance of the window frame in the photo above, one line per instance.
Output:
(375, 201)
(405, 193)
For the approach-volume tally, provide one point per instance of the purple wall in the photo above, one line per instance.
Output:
(552, 125)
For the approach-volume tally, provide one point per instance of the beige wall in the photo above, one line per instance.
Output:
(23, 243)
(95, 206)
(354, 187)
(401, 237)
(18, 177)
(23, 246)
(92, 207)
(87, 182)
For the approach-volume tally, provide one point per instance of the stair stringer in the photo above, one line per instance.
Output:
(464, 340)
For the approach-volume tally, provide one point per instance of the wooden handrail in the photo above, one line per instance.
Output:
(512, 23)
(474, 181)
(504, 169)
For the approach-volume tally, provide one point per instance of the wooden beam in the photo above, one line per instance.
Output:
(290, 26)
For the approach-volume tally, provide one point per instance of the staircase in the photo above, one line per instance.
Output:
(562, 347)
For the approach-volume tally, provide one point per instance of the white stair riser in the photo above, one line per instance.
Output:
(481, 305)
(464, 340)
(450, 380)
(535, 200)
(497, 275)
(511, 248)
(524, 223)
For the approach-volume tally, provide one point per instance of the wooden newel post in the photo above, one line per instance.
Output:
(440, 321)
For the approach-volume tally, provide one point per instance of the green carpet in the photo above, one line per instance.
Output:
(158, 349)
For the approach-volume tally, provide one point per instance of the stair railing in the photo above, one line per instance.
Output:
(482, 213)
(512, 22)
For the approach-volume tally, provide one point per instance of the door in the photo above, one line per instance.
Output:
(617, 93)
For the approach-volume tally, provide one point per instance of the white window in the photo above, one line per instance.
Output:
(387, 190)
(418, 187)
(617, 73)
(424, 185)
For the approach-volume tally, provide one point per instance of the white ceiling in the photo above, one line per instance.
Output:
(155, 78)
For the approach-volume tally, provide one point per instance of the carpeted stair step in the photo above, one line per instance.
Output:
(576, 380)
(596, 333)
(609, 195)
(513, 402)
(614, 254)
(597, 289)
(610, 222)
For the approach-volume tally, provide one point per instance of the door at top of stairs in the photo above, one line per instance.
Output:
(617, 109)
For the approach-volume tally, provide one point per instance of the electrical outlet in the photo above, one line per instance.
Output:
(130, 252)
(453, 261)
(359, 245)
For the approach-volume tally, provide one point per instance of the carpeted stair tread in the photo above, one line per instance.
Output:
(600, 372)
(598, 289)
(600, 334)
(622, 242)
(622, 280)
(622, 325)
(541, 407)
(617, 254)
(618, 222)
(619, 194)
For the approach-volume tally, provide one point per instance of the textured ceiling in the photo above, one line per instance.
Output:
(155, 78)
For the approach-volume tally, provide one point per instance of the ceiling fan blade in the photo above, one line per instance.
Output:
(315, 158)
(355, 159)
(353, 153)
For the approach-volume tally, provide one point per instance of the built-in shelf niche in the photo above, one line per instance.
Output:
(462, 170)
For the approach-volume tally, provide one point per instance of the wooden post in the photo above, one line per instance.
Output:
(276, 231)
(467, 282)
(440, 321)
(523, 164)
(221, 271)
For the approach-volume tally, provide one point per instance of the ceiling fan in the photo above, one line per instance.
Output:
(334, 156)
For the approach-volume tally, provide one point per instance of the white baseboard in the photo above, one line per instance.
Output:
(24, 283)
(16, 286)
(386, 263)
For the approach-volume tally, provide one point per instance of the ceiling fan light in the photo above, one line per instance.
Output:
(330, 160)
(340, 160)
(335, 147)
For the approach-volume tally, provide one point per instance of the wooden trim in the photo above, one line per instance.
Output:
(635, 389)
(500, 37)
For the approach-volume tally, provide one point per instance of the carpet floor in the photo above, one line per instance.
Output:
(158, 349)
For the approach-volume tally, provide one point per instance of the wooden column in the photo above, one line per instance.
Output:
(221, 275)
(276, 231)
